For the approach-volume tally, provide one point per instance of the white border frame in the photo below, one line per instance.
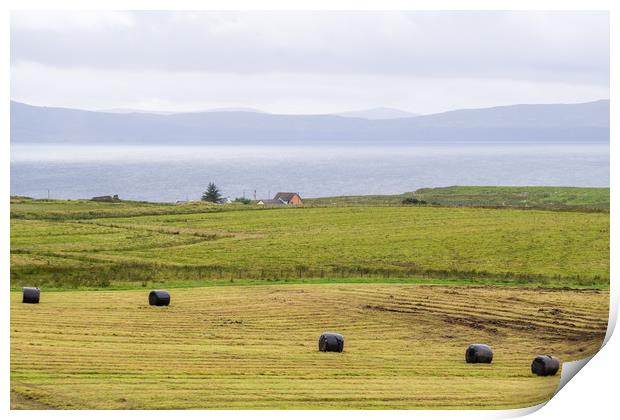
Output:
(593, 394)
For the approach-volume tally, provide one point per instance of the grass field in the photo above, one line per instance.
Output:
(559, 198)
(549, 198)
(256, 346)
(28, 208)
(364, 242)
(409, 287)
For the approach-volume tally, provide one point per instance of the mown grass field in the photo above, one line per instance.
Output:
(256, 346)
(460, 245)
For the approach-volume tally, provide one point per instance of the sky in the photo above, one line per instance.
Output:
(307, 62)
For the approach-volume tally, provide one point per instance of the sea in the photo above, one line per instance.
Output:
(170, 174)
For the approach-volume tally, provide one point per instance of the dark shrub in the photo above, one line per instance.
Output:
(242, 200)
(412, 200)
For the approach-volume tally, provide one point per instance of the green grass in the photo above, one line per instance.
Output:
(358, 200)
(72, 248)
(549, 198)
(28, 208)
(557, 198)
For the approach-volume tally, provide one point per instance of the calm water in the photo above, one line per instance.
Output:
(170, 174)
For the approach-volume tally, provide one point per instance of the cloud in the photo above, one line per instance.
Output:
(277, 92)
(68, 22)
(271, 58)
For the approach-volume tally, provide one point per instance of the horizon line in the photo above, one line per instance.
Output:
(251, 110)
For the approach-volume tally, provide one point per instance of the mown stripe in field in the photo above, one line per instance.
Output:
(256, 347)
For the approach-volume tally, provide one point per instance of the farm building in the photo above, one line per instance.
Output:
(282, 199)
(289, 198)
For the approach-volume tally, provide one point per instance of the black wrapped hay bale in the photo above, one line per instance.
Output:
(159, 298)
(478, 353)
(545, 365)
(331, 342)
(30, 294)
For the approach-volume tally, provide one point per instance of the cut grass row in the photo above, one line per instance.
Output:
(256, 347)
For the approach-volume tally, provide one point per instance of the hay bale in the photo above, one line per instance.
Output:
(329, 341)
(159, 298)
(478, 353)
(545, 365)
(30, 294)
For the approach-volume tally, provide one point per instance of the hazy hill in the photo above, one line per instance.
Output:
(586, 122)
(142, 111)
(589, 114)
(380, 113)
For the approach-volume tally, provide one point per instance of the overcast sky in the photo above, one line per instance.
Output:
(308, 62)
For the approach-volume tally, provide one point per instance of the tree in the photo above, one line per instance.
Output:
(212, 194)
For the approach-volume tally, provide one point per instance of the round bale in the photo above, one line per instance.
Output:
(30, 295)
(159, 298)
(545, 365)
(329, 341)
(478, 353)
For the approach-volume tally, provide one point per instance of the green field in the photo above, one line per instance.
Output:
(256, 347)
(409, 286)
(556, 198)
(360, 242)
(550, 198)
(28, 208)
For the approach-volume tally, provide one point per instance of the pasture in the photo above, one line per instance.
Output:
(256, 346)
(359, 243)
(549, 198)
(552, 198)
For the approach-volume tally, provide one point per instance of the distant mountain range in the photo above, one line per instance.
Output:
(585, 122)
(380, 113)
(142, 111)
